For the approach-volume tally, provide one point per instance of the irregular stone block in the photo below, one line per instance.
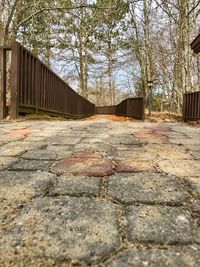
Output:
(134, 166)
(155, 257)
(146, 188)
(84, 163)
(164, 225)
(32, 165)
(180, 167)
(63, 228)
(76, 186)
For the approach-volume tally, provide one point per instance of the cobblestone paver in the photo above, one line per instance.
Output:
(99, 193)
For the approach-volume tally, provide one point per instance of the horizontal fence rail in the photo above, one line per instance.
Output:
(37, 89)
(130, 107)
(191, 106)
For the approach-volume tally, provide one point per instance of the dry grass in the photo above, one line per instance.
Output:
(111, 118)
(164, 116)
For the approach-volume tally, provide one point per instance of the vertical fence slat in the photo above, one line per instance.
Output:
(3, 84)
(15, 79)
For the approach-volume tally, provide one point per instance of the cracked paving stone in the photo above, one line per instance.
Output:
(7, 162)
(194, 183)
(62, 141)
(76, 186)
(12, 151)
(62, 228)
(134, 154)
(32, 165)
(180, 167)
(146, 188)
(168, 151)
(101, 147)
(131, 165)
(18, 187)
(185, 141)
(84, 163)
(151, 136)
(158, 224)
(25, 145)
(122, 140)
(47, 154)
(155, 257)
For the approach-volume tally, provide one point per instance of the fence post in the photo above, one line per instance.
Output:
(15, 76)
(37, 85)
(2, 83)
(143, 108)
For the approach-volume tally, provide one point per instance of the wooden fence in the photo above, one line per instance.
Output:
(105, 110)
(191, 106)
(37, 89)
(130, 107)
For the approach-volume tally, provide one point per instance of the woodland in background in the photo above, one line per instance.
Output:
(108, 49)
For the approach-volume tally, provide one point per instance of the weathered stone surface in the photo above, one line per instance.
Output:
(146, 188)
(122, 140)
(96, 147)
(76, 186)
(62, 228)
(69, 218)
(154, 257)
(167, 151)
(12, 152)
(134, 155)
(84, 163)
(194, 184)
(7, 161)
(180, 167)
(18, 187)
(185, 141)
(47, 154)
(32, 165)
(60, 141)
(134, 166)
(160, 224)
(153, 134)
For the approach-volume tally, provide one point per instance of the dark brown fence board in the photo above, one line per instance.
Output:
(15, 80)
(2, 83)
(105, 110)
(191, 106)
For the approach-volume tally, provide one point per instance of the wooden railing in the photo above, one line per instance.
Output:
(191, 106)
(37, 89)
(130, 107)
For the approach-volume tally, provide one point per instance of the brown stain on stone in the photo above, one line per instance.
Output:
(153, 133)
(21, 132)
(85, 163)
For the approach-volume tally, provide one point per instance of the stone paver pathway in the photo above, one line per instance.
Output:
(100, 193)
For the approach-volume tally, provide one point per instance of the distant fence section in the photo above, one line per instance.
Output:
(130, 107)
(105, 110)
(37, 89)
(191, 106)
